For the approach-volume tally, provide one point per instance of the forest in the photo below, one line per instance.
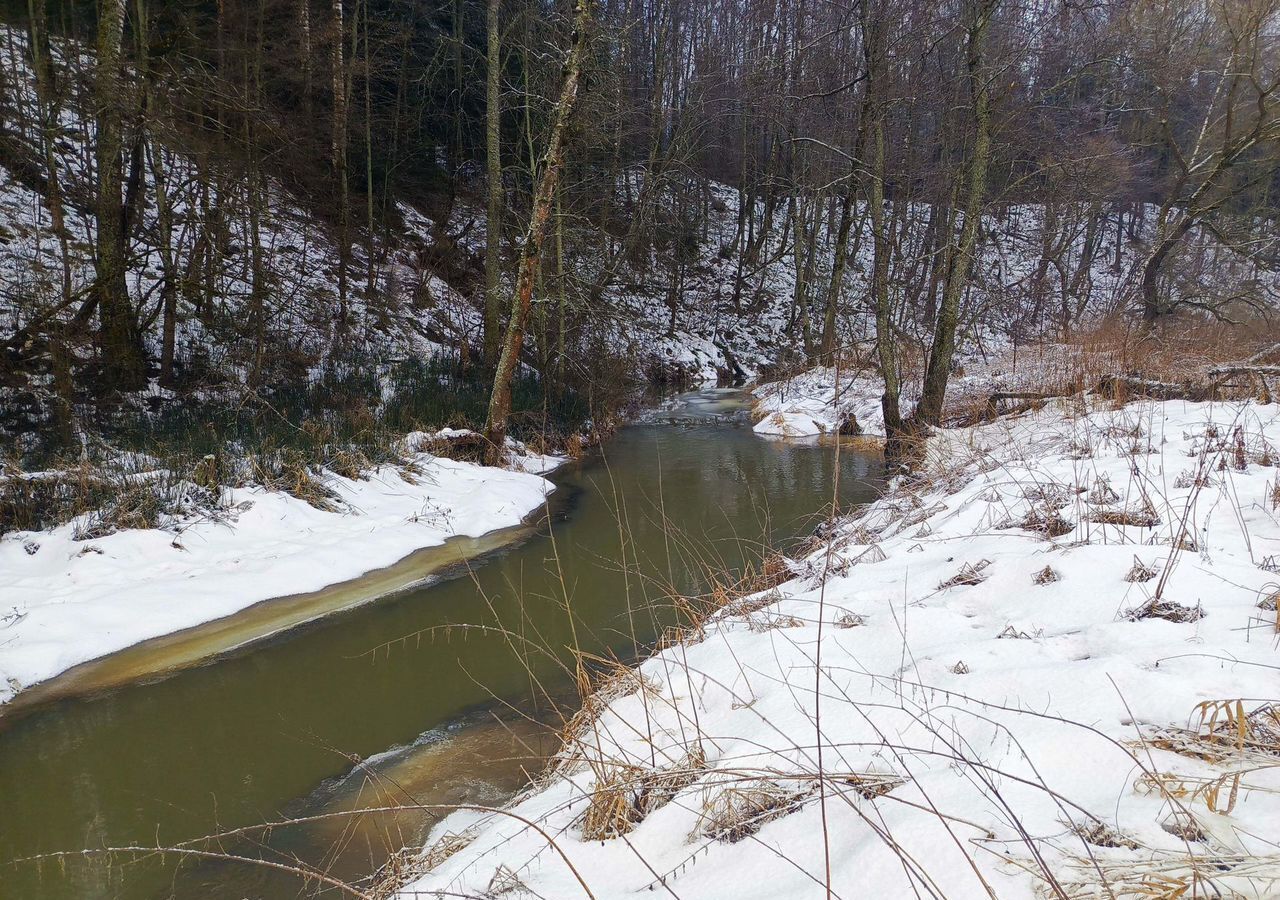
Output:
(222, 199)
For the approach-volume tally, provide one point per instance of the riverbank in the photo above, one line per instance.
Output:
(1042, 666)
(70, 598)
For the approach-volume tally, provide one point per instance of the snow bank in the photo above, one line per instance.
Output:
(1032, 665)
(64, 602)
(807, 404)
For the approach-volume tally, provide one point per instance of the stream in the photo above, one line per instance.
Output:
(448, 689)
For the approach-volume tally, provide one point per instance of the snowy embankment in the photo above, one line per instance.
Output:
(64, 601)
(1044, 666)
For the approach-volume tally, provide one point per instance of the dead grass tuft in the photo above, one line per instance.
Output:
(750, 603)
(870, 785)
(444, 847)
(734, 813)
(969, 574)
(349, 463)
(1100, 834)
(1166, 609)
(1130, 518)
(1047, 522)
(625, 794)
(464, 446)
(774, 571)
(1047, 575)
(1140, 572)
(617, 682)
(760, 624)
(615, 802)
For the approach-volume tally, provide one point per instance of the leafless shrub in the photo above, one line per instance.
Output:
(849, 620)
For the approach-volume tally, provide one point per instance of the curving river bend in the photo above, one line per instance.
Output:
(380, 703)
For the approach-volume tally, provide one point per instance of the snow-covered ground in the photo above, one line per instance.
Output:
(1044, 664)
(813, 402)
(65, 601)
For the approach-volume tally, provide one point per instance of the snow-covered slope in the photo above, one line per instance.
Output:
(1045, 665)
(68, 599)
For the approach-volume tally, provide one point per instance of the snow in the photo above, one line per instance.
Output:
(994, 700)
(807, 404)
(65, 601)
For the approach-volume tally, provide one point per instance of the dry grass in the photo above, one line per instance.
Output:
(1168, 610)
(1100, 834)
(624, 795)
(738, 811)
(1166, 876)
(760, 624)
(598, 692)
(1140, 572)
(615, 806)
(969, 574)
(1129, 518)
(1046, 522)
(1047, 575)
(774, 571)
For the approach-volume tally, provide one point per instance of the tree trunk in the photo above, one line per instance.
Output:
(938, 369)
(124, 364)
(827, 346)
(338, 155)
(874, 53)
(168, 269)
(531, 252)
(48, 114)
(304, 36)
(493, 167)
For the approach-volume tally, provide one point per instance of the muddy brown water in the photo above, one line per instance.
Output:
(398, 700)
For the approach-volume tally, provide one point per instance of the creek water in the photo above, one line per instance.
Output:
(446, 691)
